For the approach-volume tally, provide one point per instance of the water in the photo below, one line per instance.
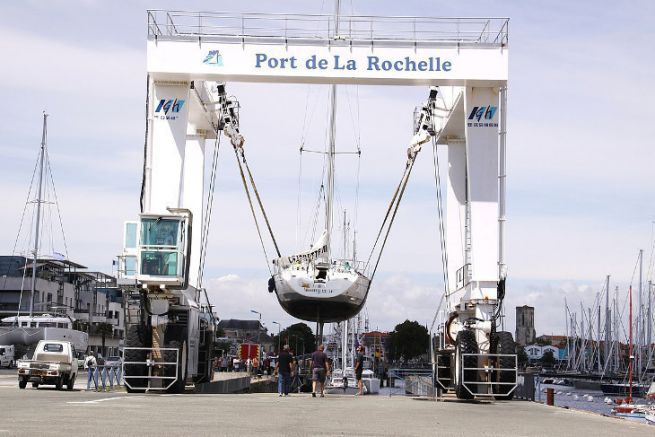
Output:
(596, 404)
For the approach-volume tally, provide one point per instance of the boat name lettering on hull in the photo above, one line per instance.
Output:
(319, 290)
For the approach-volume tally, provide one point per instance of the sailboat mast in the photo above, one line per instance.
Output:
(630, 357)
(38, 212)
(332, 132)
(608, 335)
(640, 326)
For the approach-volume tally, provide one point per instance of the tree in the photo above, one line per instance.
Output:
(408, 340)
(104, 329)
(548, 359)
(543, 341)
(298, 336)
(521, 355)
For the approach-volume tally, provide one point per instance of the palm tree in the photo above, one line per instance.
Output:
(104, 329)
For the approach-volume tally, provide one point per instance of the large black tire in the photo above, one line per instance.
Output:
(504, 344)
(465, 344)
(59, 383)
(34, 384)
(170, 356)
(22, 384)
(70, 383)
(136, 336)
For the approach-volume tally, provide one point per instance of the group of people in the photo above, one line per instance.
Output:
(235, 364)
(320, 367)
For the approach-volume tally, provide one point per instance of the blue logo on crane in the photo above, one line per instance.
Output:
(214, 57)
(482, 116)
(166, 106)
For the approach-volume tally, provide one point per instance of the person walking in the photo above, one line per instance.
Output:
(255, 366)
(284, 366)
(91, 365)
(359, 368)
(320, 369)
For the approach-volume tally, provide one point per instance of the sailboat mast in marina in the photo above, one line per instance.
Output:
(312, 285)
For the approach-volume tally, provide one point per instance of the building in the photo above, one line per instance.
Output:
(246, 331)
(525, 332)
(375, 344)
(91, 299)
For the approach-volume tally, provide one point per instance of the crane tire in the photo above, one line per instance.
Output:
(504, 345)
(465, 344)
(136, 336)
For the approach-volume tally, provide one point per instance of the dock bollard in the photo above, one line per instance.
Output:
(550, 396)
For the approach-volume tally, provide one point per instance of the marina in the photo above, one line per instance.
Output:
(352, 218)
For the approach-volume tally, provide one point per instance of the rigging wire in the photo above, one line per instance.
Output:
(54, 191)
(27, 202)
(442, 231)
(208, 209)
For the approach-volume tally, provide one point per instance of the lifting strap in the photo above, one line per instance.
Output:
(241, 157)
(388, 220)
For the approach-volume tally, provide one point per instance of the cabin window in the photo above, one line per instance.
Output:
(130, 235)
(130, 265)
(47, 325)
(61, 325)
(159, 232)
(53, 347)
(33, 324)
(159, 263)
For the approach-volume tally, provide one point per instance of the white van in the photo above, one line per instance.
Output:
(7, 356)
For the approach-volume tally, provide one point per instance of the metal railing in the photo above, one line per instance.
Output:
(317, 27)
(151, 364)
(485, 386)
(105, 377)
(398, 374)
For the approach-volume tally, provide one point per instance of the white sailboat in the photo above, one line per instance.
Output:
(31, 328)
(312, 285)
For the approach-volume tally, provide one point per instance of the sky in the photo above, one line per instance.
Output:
(580, 150)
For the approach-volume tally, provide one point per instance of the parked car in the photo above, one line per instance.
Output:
(54, 363)
(114, 360)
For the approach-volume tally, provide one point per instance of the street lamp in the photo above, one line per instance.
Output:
(278, 337)
(259, 332)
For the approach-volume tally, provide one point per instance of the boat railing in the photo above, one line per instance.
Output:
(289, 28)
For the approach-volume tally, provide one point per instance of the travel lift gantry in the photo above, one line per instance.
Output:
(168, 332)
(470, 354)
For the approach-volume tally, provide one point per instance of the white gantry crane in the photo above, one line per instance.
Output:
(169, 330)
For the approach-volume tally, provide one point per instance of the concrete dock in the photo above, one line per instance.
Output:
(49, 412)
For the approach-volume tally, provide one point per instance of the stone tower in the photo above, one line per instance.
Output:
(525, 333)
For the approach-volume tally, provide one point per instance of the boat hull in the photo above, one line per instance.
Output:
(30, 336)
(329, 302)
(621, 390)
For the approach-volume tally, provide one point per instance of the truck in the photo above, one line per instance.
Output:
(7, 353)
(54, 363)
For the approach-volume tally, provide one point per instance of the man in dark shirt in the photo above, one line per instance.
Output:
(284, 366)
(359, 368)
(320, 368)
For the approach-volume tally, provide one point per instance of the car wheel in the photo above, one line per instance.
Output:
(22, 384)
(70, 383)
